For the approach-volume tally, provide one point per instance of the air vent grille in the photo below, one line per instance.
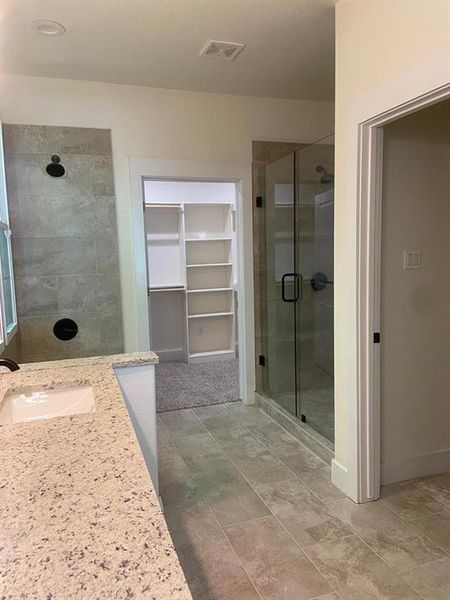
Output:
(222, 50)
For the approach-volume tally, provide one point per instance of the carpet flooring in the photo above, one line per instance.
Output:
(179, 385)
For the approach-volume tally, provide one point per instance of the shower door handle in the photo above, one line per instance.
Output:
(297, 287)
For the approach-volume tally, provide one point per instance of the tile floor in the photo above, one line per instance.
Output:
(253, 516)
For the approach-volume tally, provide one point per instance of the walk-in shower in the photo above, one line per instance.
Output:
(297, 287)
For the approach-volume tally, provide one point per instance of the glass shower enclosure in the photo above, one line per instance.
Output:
(297, 325)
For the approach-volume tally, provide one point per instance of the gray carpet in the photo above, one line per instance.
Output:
(179, 385)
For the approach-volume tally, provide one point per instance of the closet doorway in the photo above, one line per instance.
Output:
(190, 233)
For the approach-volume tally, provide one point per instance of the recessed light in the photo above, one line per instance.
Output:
(49, 27)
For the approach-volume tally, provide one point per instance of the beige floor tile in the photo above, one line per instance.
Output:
(438, 488)
(315, 473)
(332, 596)
(320, 484)
(198, 449)
(195, 528)
(181, 422)
(227, 434)
(225, 584)
(231, 498)
(278, 440)
(432, 581)
(436, 527)
(357, 573)
(409, 501)
(204, 412)
(277, 567)
(396, 542)
(265, 468)
(248, 415)
(219, 422)
(253, 459)
(179, 492)
(171, 464)
(306, 518)
(211, 567)
(305, 462)
(164, 438)
(177, 486)
(242, 444)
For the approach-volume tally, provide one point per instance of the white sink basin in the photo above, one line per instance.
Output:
(36, 405)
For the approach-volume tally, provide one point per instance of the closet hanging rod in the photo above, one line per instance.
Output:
(168, 288)
(154, 205)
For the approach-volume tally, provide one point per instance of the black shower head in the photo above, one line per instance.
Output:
(55, 168)
(326, 176)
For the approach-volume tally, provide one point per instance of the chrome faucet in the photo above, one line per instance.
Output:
(7, 362)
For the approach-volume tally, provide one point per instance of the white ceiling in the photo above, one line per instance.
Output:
(289, 53)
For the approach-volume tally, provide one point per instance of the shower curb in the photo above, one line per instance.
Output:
(317, 443)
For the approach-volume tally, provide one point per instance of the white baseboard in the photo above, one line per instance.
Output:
(415, 466)
(340, 478)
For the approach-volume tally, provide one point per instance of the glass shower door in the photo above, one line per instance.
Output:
(314, 247)
(281, 283)
(297, 283)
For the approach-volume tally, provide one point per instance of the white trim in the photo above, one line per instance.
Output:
(235, 171)
(370, 154)
(339, 476)
(415, 466)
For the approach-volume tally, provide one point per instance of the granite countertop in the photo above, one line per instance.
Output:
(79, 517)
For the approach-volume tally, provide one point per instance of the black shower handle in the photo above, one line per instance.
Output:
(283, 287)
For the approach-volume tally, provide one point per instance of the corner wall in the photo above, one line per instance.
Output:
(387, 53)
(159, 123)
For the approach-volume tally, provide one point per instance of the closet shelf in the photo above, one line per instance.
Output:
(154, 239)
(225, 289)
(209, 239)
(214, 314)
(224, 264)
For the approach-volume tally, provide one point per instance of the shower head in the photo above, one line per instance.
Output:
(326, 176)
(55, 168)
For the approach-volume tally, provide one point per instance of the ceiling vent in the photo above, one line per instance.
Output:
(222, 50)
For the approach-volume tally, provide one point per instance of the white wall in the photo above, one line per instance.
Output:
(158, 123)
(415, 304)
(386, 54)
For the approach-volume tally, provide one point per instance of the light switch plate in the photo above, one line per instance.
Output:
(412, 259)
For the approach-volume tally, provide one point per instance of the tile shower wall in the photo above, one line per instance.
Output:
(65, 247)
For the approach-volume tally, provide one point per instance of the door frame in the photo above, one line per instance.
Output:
(237, 172)
(369, 202)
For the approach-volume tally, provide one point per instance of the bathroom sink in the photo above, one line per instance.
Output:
(36, 405)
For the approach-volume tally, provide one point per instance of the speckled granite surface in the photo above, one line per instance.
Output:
(79, 517)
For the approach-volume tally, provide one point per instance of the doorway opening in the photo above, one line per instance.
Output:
(295, 359)
(192, 275)
(369, 197)
(415, 296)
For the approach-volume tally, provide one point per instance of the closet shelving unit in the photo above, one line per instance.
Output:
(209, 279)
(190, 250)
(166, 279)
